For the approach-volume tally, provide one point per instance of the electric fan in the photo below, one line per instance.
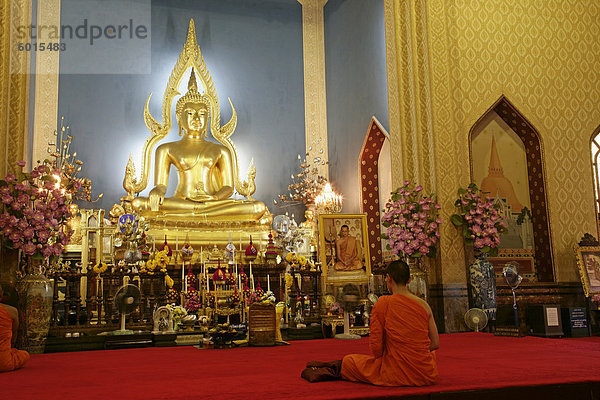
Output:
(512, 277)
(126, 301)
(476, 319)
(348, 297)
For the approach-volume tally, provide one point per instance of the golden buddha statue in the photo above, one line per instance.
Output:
(73, 225)
(207, 171)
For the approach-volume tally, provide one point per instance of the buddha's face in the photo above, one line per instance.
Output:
(73, 209)
(194, 118)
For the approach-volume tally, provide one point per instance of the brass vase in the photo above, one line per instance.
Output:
(35, 306)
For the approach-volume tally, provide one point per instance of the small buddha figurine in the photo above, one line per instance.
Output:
(205, 171)
(74, 224)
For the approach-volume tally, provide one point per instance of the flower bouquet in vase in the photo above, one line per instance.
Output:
(481, 224)
(412, 222)
(34, 216)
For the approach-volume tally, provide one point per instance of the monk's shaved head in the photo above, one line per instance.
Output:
(399, 272)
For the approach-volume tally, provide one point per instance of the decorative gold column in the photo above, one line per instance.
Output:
(409, 92)
(46, 83)
(14, 84)
(315, 106)
(424, 148)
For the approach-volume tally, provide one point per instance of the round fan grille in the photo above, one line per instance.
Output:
(476, 319)
(349, 296)
(127, 298)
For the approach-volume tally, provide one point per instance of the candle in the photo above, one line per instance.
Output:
(299, 283)
(240, 283)
(154, 245)
(207, 287)
(252, 281)
(268, 283)
(250, 268)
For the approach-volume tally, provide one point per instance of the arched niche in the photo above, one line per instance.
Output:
(506, 160)
(595, 153)
(375, 183)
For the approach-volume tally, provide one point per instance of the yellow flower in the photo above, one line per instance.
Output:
(289, 281)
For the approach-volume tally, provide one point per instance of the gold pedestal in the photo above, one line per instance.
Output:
(208, 234)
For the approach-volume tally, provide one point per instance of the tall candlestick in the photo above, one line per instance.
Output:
(268, 283)
(252, 281)
(250, 268)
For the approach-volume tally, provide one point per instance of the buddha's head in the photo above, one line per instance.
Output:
(73, 210)
(193, 111)
(309, 215)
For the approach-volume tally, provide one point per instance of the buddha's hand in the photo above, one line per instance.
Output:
(156, 197)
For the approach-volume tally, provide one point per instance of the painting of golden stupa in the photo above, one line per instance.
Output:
(497, 185)
(500, 170)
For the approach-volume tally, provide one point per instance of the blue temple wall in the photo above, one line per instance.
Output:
(253, 50)
(356, 78)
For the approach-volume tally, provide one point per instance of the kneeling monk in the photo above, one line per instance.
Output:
(10, 358)
(403, 336)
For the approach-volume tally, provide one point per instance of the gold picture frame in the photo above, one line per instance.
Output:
(588, 265)
(329, 232)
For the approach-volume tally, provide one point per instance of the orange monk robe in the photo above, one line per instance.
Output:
(10, 358)
(399, 340)
(347, 253)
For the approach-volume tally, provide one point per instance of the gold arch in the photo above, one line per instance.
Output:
(190, 57)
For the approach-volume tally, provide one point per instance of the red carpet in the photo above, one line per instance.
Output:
(467, 361)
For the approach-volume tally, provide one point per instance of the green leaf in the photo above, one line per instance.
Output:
(466, 233)
(416, 255)
(384, 236)
(473, 186)
(456, 220)
(494, 252)
(432, 252)
(485, 249)
(387, 246)
(47, 178)
(469, 242)
(462, 191)
(386, 224)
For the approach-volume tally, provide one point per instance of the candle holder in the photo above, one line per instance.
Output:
(328, 201)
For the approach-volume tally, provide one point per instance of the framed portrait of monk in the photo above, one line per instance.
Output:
(344, 248)
(588, 264)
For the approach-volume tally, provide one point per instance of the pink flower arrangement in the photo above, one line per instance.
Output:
(480, 220)
(192, 301)
(35, 208)
(412, 222)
